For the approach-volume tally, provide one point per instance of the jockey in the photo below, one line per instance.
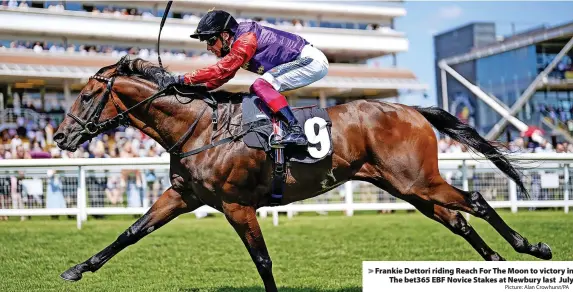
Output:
(286, 61)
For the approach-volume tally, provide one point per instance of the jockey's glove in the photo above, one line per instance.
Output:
(166, 80)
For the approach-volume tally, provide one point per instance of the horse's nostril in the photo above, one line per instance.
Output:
(59, 137)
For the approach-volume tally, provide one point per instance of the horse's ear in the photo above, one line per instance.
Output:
(124, 59)
(124, 65)
(120, 68)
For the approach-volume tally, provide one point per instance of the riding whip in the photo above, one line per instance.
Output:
(161, 28)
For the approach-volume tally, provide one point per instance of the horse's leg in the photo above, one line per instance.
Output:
(244, 220)
(443, 194)
(170, 205)
(456, 223)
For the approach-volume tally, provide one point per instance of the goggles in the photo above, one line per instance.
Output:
(212, 40)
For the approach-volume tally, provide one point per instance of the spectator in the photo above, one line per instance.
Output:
(57, 7)
(147, 14)
(372, 26)
(298, 24)
(16, 142)
(153, 182)
(12, 3)
(22, 153)
(54, 194)
(3, 153)
(517, 145)
(38, 47)
(23, 5)
(113, 191)
(18, 199)
(131, 179)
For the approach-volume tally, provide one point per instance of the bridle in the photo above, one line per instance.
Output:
(92, 126)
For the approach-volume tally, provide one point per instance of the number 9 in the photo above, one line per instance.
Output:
(316, 138)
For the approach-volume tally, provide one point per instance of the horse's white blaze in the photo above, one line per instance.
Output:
(317, 138)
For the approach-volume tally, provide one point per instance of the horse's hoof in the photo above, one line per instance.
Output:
(544, 251)
(72, 274)
(496, 257)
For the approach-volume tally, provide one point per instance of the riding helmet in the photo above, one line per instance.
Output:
(214, 22)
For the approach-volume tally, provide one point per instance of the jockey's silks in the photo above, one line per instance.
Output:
(274, 47)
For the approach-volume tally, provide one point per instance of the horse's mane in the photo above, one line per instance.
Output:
(138, 67)
(152, 72)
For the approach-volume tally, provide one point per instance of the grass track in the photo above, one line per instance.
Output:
(310, 253)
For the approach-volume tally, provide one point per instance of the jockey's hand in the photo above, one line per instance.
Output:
(166, 80)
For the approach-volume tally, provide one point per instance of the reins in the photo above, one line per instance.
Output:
(92, 126)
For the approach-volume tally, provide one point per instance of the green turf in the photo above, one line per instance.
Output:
(310, 253)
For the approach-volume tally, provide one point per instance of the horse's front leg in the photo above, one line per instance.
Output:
(170, 205)
(244, 220)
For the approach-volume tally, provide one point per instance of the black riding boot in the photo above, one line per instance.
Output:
(294, 134)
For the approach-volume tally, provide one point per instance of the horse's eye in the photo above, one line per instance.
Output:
(85, 97)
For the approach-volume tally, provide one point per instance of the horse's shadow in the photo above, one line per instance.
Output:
(259, 289)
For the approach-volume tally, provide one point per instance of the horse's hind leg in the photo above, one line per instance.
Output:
(443, 194)
(244, 220)
(170, 205)
(454, 221)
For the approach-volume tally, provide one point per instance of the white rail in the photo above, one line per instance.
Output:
(349, 198)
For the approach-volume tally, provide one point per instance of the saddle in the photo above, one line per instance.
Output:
(316, 125)
(258, 129)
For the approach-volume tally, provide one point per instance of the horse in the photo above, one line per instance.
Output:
(392, 146)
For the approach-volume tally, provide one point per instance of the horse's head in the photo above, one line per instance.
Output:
(98, 107)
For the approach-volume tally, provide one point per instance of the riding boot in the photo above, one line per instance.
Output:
(278, 104)
(294, 134)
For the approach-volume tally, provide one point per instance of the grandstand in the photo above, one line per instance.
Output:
(48, 49)
(508, 83)
(348, 39)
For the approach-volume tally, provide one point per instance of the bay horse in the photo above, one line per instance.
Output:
(392, 146)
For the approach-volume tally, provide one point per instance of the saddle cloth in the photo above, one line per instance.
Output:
(315, 122)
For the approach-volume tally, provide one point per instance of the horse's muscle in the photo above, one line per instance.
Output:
(366, 136)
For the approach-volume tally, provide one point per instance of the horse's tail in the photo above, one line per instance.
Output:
(448, 124)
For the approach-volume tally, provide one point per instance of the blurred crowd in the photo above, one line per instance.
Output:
(57, 189)
(147, 52)
(30, 140)
(35, 138)
(559, 116)
(135, 13)
(114, 51)
(563, 69)
(518, 145)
